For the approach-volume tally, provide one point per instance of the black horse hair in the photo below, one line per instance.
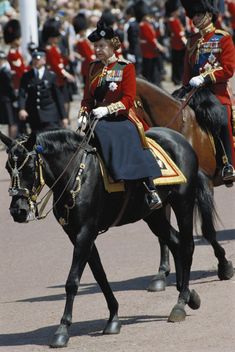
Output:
(58, 141)
(208, 110)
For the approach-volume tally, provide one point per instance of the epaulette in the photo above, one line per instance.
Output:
(124, 61)
(221, 31)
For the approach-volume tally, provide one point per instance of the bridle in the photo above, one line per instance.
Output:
(39, 182)
(16, 189)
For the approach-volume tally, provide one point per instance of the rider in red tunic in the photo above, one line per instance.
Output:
(109, 95)
(210, 60)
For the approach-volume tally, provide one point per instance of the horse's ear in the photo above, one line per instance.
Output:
(30, 142)
(6, 140)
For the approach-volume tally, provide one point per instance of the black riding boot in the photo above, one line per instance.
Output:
(228, 173)
(152, 197)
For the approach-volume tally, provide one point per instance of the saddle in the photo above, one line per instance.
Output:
(171, 174)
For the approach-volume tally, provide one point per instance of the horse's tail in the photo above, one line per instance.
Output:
(205, 205)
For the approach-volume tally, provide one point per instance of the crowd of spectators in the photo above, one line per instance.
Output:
(157, 24)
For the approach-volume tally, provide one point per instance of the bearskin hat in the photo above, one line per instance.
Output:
(141, 9)
(80, 22)
(171, 6)
(192, 7)
(11, 31)
(108, 17)
(51, 29)
(102, 31)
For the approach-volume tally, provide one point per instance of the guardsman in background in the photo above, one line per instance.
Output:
(210, 61)
(178, 40)
(54, 59)
(7, 97)
(230, 4)
(12, 37)
(150, 47)
(40, 101)
(83, 46)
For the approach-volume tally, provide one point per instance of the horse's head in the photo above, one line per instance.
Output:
(23, 167)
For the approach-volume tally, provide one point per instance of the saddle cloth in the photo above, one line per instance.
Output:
(171, 174)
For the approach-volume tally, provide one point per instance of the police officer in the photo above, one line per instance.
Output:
(40, 101)
(210, 60)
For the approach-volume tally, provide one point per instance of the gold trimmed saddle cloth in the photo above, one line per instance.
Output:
(171, 174)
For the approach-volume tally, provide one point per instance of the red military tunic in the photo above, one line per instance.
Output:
(231, 10)
(114, 86)
(116, 83)
(177, 33)
(56, 62)
(148, 40)
(18, 67)
(83, 47)
(212, 56)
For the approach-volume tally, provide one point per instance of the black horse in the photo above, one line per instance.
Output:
(71, 170)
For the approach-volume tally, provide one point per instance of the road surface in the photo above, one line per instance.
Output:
(35, 260)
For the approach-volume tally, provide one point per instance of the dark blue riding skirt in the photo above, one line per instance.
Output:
(123, 154)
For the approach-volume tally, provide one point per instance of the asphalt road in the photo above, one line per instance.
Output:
(35, 259)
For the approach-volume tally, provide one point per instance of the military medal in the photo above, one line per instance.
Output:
(211, 58)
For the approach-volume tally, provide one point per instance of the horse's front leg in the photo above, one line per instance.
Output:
(82, 250)
(158, 282)
(113, 325)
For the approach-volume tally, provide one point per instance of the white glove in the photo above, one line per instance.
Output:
(82, 122)
(196, 81)
(100, 112)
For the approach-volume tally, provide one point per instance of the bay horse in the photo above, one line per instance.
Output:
(71, 170)
(159, 108)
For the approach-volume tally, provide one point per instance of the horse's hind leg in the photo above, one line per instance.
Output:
(225, 267)
(158, 282)
(207, 212)
(113, 326)
(181, 250)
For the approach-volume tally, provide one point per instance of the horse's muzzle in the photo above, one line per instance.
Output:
(19, 215)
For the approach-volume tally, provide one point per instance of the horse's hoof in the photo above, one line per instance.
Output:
(158, 283)
(112, 328)
(60, 338)
(194, 300)
(225, 271)
(177, 314)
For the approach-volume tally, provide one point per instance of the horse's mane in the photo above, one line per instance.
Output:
(58, 141)
(142, 81)
(208, 110)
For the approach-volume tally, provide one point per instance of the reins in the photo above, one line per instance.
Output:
(185, 103)
(86, 139)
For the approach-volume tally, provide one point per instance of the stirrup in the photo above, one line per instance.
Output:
(228, 173)
(153, 200)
